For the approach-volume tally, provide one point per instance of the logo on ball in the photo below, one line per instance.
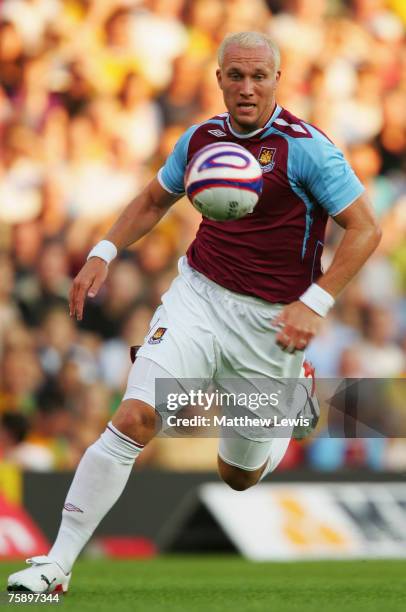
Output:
(224, 181)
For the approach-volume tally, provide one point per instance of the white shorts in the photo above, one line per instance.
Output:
(237, 450)
(206, 332)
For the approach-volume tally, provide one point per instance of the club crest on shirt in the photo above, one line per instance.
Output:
(157, 336)
(266, 158)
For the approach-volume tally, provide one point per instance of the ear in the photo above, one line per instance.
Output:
(219, 79)
(278, 76)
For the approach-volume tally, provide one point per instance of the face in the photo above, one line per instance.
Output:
(248, 81)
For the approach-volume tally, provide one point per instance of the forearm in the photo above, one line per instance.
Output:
(139, 217)
(353, 251)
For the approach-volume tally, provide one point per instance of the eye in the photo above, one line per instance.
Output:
(259, 77)
(234, 76)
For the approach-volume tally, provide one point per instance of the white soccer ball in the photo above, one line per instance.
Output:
(223, 181)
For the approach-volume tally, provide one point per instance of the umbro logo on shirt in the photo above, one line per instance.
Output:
(218, 133)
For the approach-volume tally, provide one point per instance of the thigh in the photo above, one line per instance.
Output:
(253, 365)
(142, 378)
(180, 338)
(250, 349)
(244, 462)
(239, 452)
(150, 388)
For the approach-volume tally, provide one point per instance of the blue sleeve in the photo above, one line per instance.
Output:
(321, 170)
(171, 175)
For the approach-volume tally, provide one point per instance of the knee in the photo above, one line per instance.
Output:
(237, 478)
(239, 482)
(137, 420)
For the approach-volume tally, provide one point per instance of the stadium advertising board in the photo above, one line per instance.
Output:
(19, 535)
(312, 521)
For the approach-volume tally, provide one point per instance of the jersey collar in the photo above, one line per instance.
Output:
(255, 132)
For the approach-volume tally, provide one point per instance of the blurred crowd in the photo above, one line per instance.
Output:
(93, 96)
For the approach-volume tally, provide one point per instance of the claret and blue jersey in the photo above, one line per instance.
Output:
(273, 253)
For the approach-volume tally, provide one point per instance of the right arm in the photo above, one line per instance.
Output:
(141, 215)
(137, 219)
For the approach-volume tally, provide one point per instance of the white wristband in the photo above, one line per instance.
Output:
(319, 300)
(105, 250)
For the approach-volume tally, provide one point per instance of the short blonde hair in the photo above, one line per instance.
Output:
(249, 40)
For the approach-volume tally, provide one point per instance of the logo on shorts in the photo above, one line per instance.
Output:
(157, 336)
(266, 158)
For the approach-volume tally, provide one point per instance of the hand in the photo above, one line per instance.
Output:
(87, 282)
(298, 325)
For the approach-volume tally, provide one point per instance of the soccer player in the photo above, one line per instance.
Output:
(249, 297)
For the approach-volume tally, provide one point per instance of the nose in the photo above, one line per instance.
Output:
(246, 90)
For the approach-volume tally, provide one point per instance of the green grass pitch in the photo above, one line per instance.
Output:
(229, 583)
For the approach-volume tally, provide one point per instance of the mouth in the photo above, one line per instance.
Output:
(246, 105)
(246, 108)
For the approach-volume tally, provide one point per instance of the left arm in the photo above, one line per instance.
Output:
(299, 324)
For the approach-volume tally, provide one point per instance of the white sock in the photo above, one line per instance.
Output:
(98, 483)
(278, 449)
